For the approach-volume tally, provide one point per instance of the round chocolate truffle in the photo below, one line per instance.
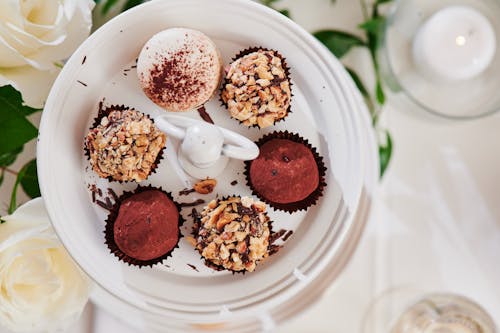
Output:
(125, 145)
(233, 234)
(257, 88)
(285, 171)
(288, 174)
(179, 69)
(147, 225)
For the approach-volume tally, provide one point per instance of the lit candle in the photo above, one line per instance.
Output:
(455, 43)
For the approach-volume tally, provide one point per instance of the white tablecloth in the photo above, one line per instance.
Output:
(435, 225)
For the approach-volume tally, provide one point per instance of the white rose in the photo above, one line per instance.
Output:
(35, 35)
(41, 288)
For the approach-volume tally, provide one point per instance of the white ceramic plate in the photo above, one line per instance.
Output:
(324, 112)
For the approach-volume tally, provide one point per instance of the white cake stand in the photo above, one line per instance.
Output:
(326, 110)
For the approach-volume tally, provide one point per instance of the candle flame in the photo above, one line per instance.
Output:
(460, 40)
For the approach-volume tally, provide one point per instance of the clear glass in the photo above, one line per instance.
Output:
(457, 99)
(444, 313)
(412, 309)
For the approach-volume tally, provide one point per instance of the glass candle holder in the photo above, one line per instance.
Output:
(408, 309)
(443, 55)
(444, 313)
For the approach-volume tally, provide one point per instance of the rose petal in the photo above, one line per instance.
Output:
(76, 30)
(9, 56)
(41, 288)
(32, 215)
(41, 11)
(33, 84)
(11, 12)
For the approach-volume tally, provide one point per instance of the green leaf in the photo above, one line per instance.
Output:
(379, 92)
(379, 2)
(108, 4)
(2, 175)
(385, 153)
(29, 182)
(131, 3)
(375, 25)
(13, 195)
(362, 89)
(338, 42)
(268, 3)
(12, 101)
(375, 28)
(8, 158)
(15, 129)
(357, 80)
(285, 12)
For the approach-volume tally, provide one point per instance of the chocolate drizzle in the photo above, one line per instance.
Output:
(191, 204)
(202, 111)
(186, 191)
(193, 267)
(287, 235)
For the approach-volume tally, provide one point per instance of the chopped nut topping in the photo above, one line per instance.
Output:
(191, 240)
(205, 186)
(257, 90)
(125, 145)
(234, 233)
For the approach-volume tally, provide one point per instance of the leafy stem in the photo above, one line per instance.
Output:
(13, 195)
(5, 169)
(340, 43)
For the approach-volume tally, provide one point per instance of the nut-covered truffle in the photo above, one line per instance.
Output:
(125, 145)
(233, 233)
(257, 88)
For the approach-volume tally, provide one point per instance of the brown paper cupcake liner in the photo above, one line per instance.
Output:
(250, 50)
(197, 225)
(104, 111)
(110, 222)
(312, 198)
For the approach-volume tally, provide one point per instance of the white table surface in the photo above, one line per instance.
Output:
(435, 224)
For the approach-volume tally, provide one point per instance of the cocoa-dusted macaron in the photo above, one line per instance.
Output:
(288, 174)
(257, 90)
(142, 229)
(124, 144)
(233, 234)
(179, 69)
